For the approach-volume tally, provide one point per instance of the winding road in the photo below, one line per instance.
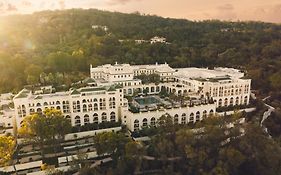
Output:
(266, 114)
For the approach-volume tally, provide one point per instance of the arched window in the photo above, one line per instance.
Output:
(197, 116)
(246, 100)
(144, 122)
(103, 117)
(191, 118)
(136, 125)
(38, 104)
(237, 101)
(231, 101)
(225, 102)
(96, 107)
(39, 110)
(112, 117)
(57, 103)
(31, 111)
(58, 107)
(86, 119)
(183, 118)
(45, 104)
(84, 108)
(68, 117)
(95, 100)
(204, 114)
(153, 121)
(220, 103)
(77, 121)
(179, 92)
(176, 119)
(95, 118)
(84, 101)
(90, 107)
(211, 113)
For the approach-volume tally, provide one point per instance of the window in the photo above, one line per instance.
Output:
(211, 112)
(86, 119)
(136, 125)
(144, 122)
(225, 102)
(220, 103)
(95, 118)
(197, 116)
(204, 114)
(68, 117)
(90, 107)
(237, 101)
(191, 118)
(112, 117)
(176, 119)
(96, 107)
(103, 117)
(153, 121)
(231, 101)
(183, 118)
(246, 100)
(84, 108)
(77, 121)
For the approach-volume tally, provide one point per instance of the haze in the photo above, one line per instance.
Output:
(230, 10)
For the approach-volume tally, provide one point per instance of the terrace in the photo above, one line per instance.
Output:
(152, 103)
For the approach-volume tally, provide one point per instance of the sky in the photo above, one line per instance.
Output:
(230, 10)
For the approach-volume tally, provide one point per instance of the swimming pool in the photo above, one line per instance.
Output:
(147, 100)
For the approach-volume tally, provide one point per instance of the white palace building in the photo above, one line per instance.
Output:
(104, 97)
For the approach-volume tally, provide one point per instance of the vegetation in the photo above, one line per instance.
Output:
(50, 127)
(58, 47)
(7, 149)
(151, 78)
(95, 126)
(214, 149)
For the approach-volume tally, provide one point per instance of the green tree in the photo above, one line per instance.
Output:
(33, 73)
(7, 151)
(111, 143)
(48, 127)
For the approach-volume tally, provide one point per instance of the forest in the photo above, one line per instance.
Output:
(57, 47)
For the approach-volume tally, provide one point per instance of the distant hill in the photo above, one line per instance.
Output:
(50, 47)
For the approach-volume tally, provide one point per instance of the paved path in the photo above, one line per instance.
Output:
(266, 114)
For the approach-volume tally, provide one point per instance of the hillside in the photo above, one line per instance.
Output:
(57, 47)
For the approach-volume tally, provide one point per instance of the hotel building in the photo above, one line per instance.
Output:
(104, 98)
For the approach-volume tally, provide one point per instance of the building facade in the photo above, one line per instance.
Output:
(106, 102)
(81, 106)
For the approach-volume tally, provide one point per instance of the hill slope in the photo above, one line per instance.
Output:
(56, 44)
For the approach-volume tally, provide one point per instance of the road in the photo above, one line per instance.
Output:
(266, 114)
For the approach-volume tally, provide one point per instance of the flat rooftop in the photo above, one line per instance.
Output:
(205, 73)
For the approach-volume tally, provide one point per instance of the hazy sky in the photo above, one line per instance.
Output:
(261, 10)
